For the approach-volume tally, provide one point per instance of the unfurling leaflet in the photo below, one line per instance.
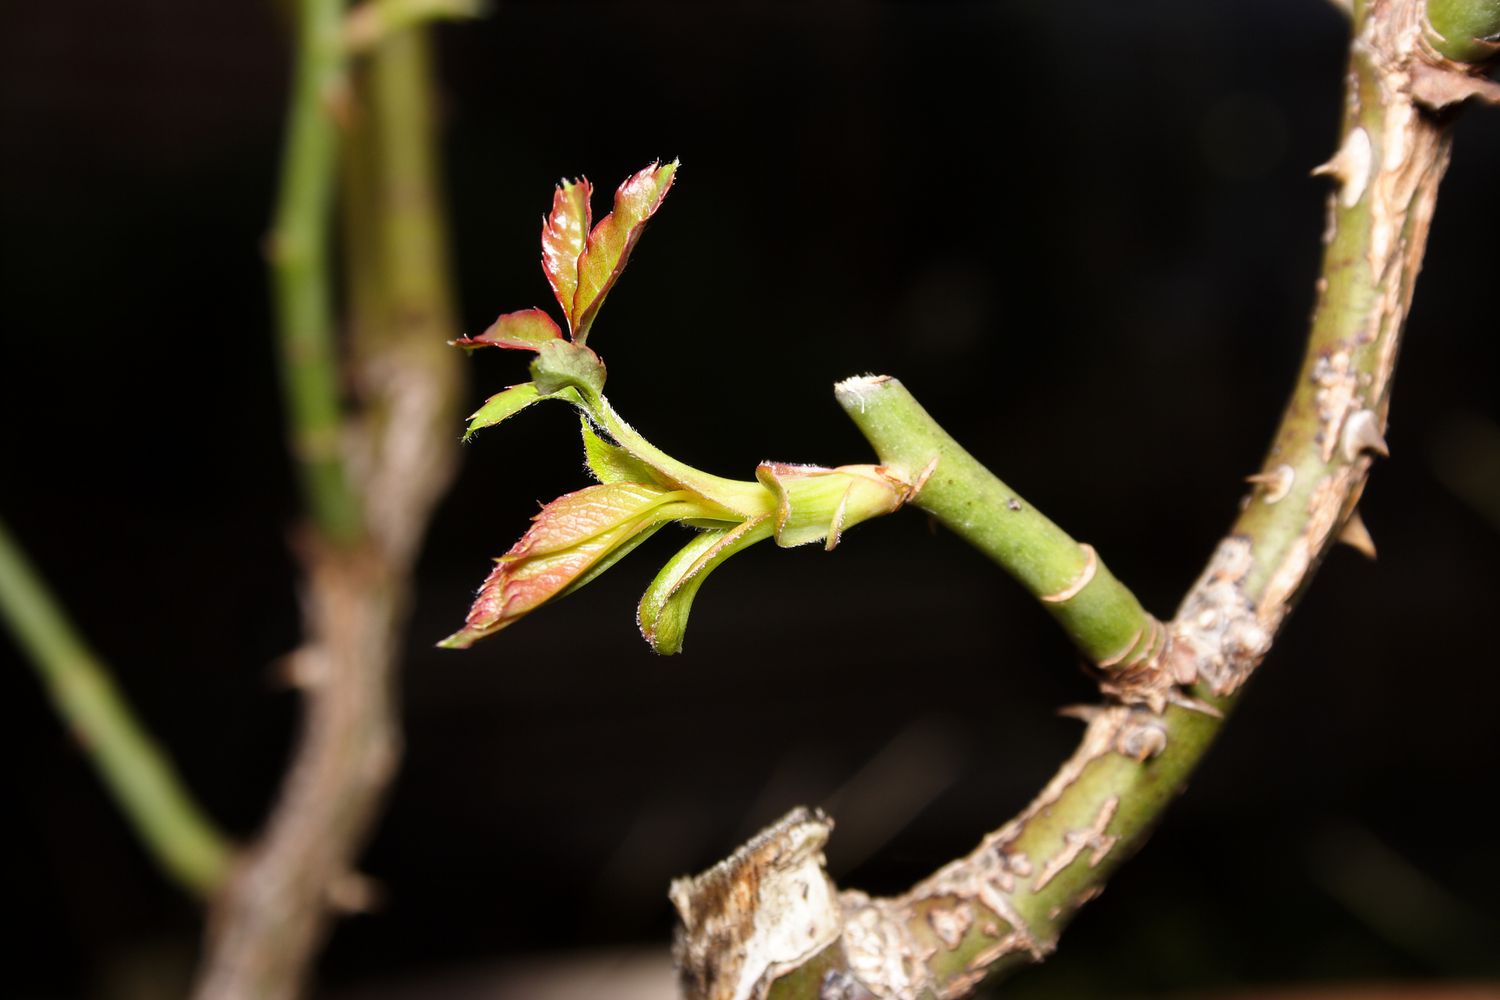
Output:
(578, 536)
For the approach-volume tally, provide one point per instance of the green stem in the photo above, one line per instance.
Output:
(1098, 612)
(411, 239)
(1465, 30)
(301, 274)
(138, 774)
(746, 500)
(399, 290)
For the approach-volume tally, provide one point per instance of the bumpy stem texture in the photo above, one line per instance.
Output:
(137, 772)
(1006, 903)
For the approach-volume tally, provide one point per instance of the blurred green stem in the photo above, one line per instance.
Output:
(138, 774)
(301, 274)
(401, 309)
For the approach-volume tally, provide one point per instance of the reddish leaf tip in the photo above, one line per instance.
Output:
(612, 240)
(523, 330)
(571, 540)
(565, 233)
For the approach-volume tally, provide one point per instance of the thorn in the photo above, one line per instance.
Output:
(352, 892)
(301, 669)
(1361, 434)
(1083, 713)
(1278, 482)
(1438, 87)
(1357, 536)
(1194, 705)
(1350, 166)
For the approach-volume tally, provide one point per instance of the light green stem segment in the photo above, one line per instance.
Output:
(301, 273)
(409, 214)
(1462, 28)
(744, 500)
(139, 776)
(1098, 612)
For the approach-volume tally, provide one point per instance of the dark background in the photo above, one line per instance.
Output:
(1083, 234)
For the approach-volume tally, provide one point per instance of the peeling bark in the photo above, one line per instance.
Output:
(765, 909)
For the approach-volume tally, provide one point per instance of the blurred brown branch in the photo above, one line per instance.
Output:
(398, 452)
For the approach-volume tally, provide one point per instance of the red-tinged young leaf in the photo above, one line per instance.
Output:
(578, 516)
(651, 524)
(611, 241)
(517, 586)
(568, 543)
(525, 330)
(565, 233)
